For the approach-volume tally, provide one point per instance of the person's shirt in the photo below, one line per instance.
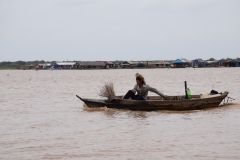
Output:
(144, 91)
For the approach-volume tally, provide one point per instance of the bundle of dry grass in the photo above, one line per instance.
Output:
(107, 91)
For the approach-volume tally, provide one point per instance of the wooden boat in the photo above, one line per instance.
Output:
(156, 103)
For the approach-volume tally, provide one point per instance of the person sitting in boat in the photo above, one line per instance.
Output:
(142, 90)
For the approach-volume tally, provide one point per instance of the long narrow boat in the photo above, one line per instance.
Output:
(156, 103)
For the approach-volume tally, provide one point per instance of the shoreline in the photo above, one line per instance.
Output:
(3, 69)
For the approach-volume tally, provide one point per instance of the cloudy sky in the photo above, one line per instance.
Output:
(118, 30)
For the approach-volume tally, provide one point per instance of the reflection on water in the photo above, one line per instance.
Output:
(41, 118)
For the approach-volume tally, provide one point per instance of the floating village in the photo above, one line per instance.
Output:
(178, 63)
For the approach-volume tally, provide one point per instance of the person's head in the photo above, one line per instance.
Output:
(139, 79)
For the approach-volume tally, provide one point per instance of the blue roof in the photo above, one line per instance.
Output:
(178, 61)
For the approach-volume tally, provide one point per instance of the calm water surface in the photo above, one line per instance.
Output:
(42, 119)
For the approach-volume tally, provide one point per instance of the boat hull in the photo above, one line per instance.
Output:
(151, 105)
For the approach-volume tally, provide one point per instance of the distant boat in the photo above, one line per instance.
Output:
(177, 103)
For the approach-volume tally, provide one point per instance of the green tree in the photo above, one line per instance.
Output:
(211, 59)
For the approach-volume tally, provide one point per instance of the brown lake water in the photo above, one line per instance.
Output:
(41, 118)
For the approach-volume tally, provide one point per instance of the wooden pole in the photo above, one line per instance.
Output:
(186, 89)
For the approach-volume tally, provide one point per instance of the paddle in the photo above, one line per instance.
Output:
(186, 89)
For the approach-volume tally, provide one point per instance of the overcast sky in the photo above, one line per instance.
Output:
(118, 30)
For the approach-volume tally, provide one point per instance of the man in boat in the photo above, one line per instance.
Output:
(142, 90)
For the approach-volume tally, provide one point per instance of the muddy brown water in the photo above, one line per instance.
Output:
(42, 119)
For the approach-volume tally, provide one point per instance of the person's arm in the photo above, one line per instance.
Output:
(157, 92)
(134, 90)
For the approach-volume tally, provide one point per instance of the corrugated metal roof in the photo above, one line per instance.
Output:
(46, 64)
(65, 63)
(182, 60)
(210, 62)
(185, 60)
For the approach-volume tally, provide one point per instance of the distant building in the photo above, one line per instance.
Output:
(210, 63)
(95, 65)
(129, 64)
(117, 64)
(215, 63)
(108, 64)
(64, 65)
(141, 64)
(223, 63)
(30, 66)
(44, 66)
(182, 63)
(199, 63)
(234, 63)
(158, 64)
(91, 65)
(230, 63)
(220, 63)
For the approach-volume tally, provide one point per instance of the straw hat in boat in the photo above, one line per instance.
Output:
(140, 76)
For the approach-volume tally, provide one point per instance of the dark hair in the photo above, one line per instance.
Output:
(138, 78)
